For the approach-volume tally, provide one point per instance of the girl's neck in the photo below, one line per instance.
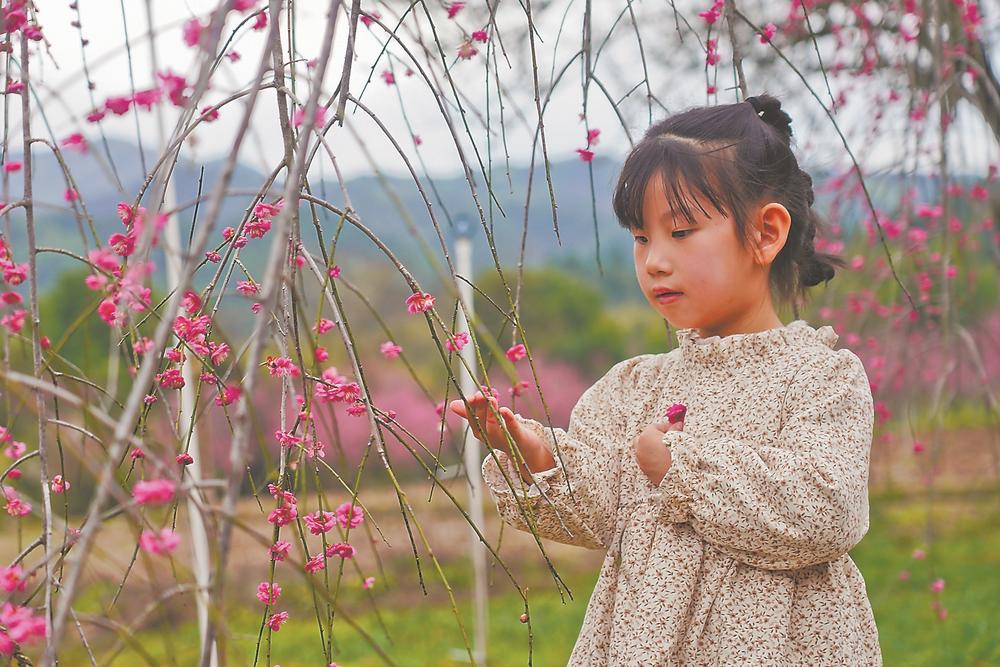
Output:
(752, 323)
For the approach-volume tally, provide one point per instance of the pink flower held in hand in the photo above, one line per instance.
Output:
(676, 412)
(154, 491)
(268, 593)
(159, 543)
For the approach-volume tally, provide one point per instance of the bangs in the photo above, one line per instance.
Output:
(685, 169)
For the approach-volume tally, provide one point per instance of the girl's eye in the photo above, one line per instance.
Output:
(640, 240)
(681, 231)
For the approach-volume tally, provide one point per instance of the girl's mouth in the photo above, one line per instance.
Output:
(668, 297)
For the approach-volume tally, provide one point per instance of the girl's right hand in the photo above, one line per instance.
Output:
(484, 418)
(489, 431)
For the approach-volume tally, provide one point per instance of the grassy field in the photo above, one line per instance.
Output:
(416, 630)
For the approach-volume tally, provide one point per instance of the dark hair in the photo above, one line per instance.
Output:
(738, 156)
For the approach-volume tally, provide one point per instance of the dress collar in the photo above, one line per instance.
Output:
(718, 350)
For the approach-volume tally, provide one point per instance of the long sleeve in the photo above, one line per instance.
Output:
(584, 494)
(800, 501)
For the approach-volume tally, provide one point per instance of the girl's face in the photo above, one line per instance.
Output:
(722, 289)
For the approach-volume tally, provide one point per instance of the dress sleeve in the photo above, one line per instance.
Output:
(583, 489)
(799, 502)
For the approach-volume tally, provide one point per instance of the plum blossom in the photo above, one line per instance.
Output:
(159, 543)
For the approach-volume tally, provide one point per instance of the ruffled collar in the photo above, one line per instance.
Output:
(756, 345)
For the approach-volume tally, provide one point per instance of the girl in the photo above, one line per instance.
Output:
(727, 533)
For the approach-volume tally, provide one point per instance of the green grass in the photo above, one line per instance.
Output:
(423, 631)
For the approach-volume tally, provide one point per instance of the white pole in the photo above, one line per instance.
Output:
(172, 252)
(463, 262)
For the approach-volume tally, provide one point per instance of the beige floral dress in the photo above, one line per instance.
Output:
(740, 555)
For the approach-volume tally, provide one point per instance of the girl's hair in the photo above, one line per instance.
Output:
(739, 157)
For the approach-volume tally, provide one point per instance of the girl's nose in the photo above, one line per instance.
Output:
(657, 260)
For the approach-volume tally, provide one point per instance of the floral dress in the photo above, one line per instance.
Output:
(740, 555)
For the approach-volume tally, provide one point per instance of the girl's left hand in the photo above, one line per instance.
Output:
(651, 454)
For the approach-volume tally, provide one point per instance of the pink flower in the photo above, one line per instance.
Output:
(75, 141)
(454, 8)
(15, 506)
(191, 32)
(390, 350)
(268, 593)
(334, 271)
(388, 77)
(175, 87)
(159, 543)
(170, 378)
(341, 549)
(466, 50)
(15, 274)
(480, 36)
(209, 113)
(59, 485)
(585, 154)
(710, 15)
(519, 388)
(260, 22)
(457, 342)
(282, 367)
(247, 288)
(118, 105)
(676, 412)
(276, 620)
(282, 516)
(14, 87)
(12, 578)
(419, 303)
(348, 516)
(323, 326)
(14, 322)
(767, 34)
(71, 195)
(319, 117)
(184, 459)
(357, 409)
(517, 352)
(95, 116)
(937, 586)
(13, 165)
(137, 454)
(213, 256)
(315, 564)
(368, 17)
(227, 395)
(122, 245)
(592, 136)
(189, 328)
(147, 98)
(368, 582)
(279, 550)
(154, 491)
(918, 554)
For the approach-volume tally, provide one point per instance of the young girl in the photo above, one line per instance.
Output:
(727, 533)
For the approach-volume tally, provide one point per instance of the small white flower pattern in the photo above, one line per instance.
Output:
(740, 555)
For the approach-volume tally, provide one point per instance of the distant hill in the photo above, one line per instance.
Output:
(383, 205)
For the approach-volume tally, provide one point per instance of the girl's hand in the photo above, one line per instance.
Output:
(651, 454)
(535, 453)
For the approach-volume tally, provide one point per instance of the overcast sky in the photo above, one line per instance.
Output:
(677, 83)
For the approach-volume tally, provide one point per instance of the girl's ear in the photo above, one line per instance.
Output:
(770, 231)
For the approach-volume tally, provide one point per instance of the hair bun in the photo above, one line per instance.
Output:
(769, 110)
